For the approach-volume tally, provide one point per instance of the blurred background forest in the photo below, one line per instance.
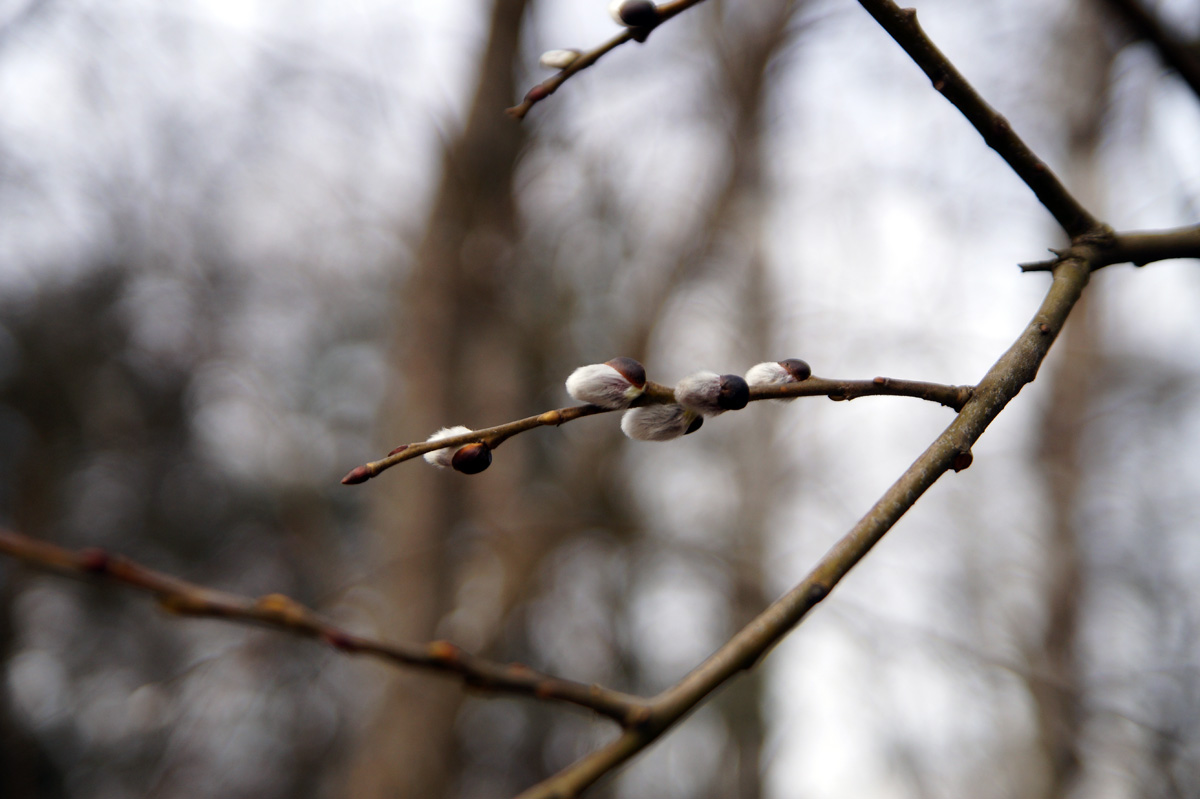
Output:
(245, 246)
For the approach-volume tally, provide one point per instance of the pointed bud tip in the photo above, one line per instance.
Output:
(398, 450)
(359, 474)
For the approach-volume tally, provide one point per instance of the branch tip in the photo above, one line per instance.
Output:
(361, 474)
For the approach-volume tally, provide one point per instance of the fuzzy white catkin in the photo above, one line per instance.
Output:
(657, 422)
(601, 384)
(442, 457)
(558, 59)
(699, 392)
(768, 374)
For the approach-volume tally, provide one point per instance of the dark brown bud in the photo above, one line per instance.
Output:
(635, 13)
(472, 459)
(398, 450)
(734, 394)
(695, 425)
(631, 370)
(798, 369)
(962, 460)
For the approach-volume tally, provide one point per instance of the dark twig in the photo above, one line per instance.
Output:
(283, 613)
(902, 25)
(1175, 53)
(550, 85)
(950, 396)
(1138, 248)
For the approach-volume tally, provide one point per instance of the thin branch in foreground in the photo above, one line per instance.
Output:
(1138, 248)
(901, 25)
(550, 85)
(1016, 368)
(656, 394)
(283, 613)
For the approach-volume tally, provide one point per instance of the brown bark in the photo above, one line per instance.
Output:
(451, 366)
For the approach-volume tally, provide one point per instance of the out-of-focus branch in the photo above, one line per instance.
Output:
(1138, 248)
(286, 614)
(951, 450)
(1176, 54)
(902, 25)
(550, 85)
(656, 394)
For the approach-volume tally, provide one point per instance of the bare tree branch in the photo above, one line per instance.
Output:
(951, 450)
(656, 394)
(283, 613)
(1139, 248)
(902, 25)
(549, 86)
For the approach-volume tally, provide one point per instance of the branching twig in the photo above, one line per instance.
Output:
(656, 394)
(550, 85)
(1139, 248)
(902, 25)
(951, 450)
(284, 613)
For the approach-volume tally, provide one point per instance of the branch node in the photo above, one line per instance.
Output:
(444, 652)
(962, 460)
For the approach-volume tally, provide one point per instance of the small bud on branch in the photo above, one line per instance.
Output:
(660, 422)
(614, 385)
(712, 394)
(559, 59)
(634, 13)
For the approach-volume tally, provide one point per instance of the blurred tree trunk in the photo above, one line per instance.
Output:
(1057, 675)
(451, 365)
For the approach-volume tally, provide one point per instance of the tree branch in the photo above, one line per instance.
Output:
(902, 25)
(283, 613)
(1138, 247)
(656, 394)
(550, 85)
(1017, 367)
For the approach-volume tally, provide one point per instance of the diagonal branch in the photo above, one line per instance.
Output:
(902, 25)
(283, 613)
(951, 450)
(656, 394)
(550, 85)
(1175, 53)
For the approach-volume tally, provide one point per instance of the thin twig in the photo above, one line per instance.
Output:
(656, 394)
(902, 25)
(284, 613)
(550, 85)
(950, 451)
